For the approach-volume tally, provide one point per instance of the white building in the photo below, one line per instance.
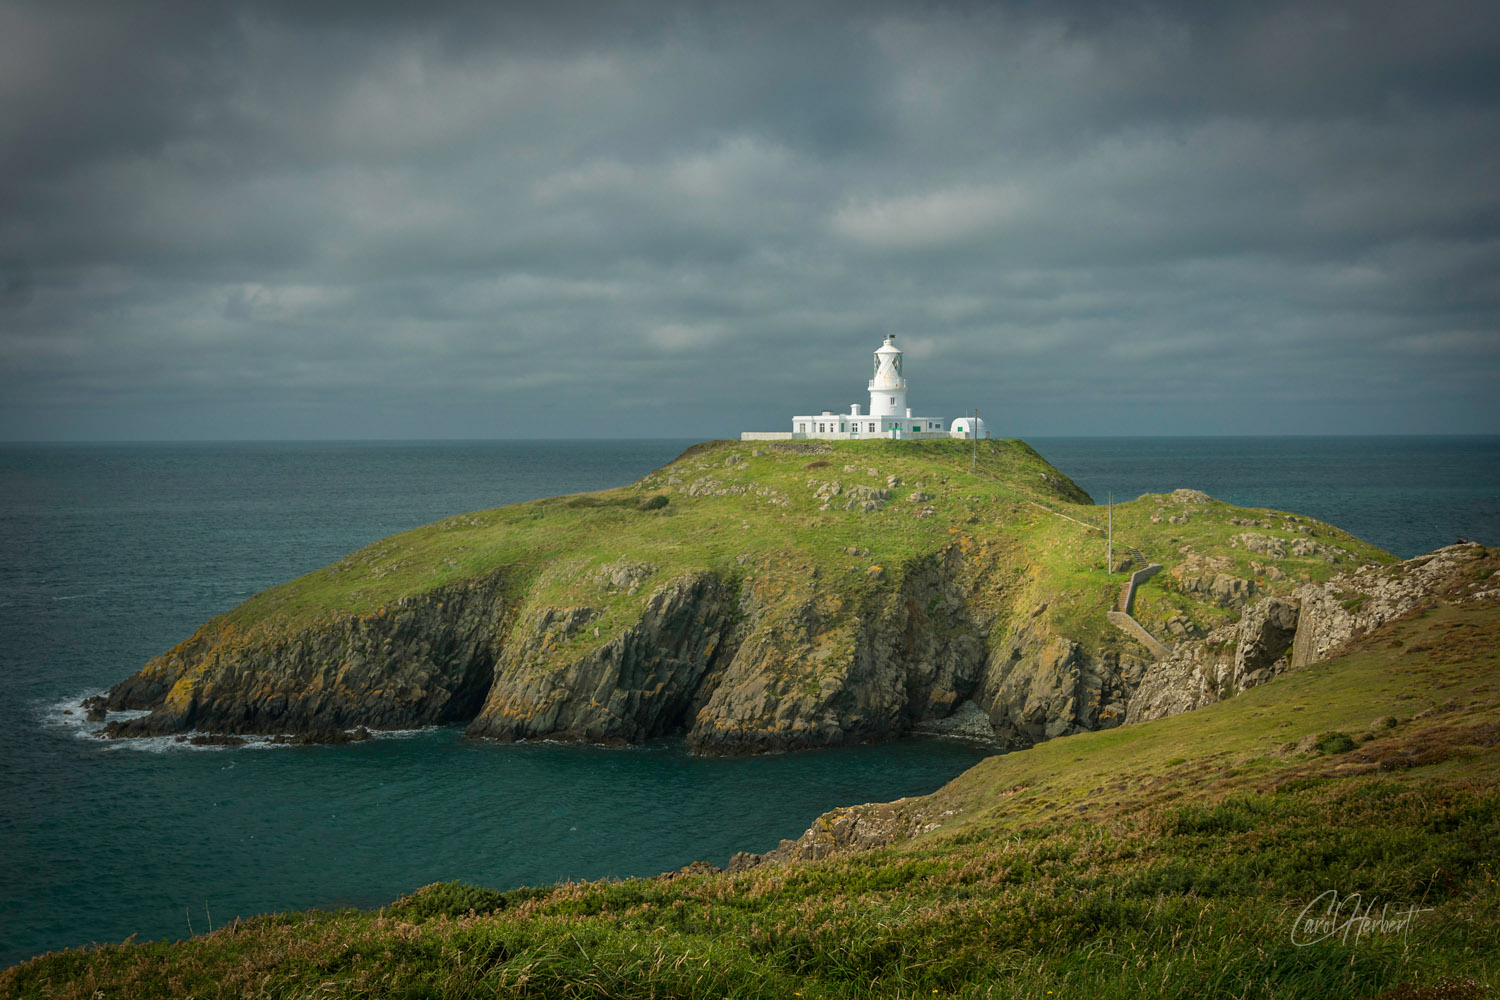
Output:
(888, 416)
(967, 427)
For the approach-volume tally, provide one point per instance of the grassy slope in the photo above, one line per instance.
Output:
(759, 514)
(552, 540)
(1167, 859)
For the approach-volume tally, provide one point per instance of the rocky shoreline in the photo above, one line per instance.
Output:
(688, 659)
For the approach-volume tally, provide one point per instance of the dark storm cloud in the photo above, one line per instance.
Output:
(471, 220)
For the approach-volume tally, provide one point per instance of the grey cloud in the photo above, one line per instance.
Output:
(323, 220)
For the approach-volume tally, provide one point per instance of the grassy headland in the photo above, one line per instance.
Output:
(759, 595)
(787, 505)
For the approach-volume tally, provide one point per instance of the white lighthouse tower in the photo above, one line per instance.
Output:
(888, 387)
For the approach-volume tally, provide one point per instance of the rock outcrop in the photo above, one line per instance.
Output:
(1352, 604)
(1038, 686)
(421, 661)
(817, 674)
(848, 829)
(640, 683)
(1277, 634)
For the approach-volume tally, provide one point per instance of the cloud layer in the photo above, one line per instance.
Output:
(682, 221)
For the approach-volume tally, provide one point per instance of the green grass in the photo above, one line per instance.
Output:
(1170, 859)
(761, 507)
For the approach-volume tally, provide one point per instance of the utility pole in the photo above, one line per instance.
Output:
(1109, 554)
(975, 430)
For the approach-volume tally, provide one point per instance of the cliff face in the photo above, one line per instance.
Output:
(752, 600)
(1038, 686)
(423, 660)
(741, 669)
(1318, 620)
(819, 673)
(642, 682)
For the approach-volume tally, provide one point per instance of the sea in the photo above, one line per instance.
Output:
(112, 553)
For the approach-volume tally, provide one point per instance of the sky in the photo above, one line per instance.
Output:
(646, 219)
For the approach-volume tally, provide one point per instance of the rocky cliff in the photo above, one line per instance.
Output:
(1314, 622)
(800, 594)
(424, 660)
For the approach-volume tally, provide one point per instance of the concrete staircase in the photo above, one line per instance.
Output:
(1137, 631)
(1121, 618)
(1127, 591)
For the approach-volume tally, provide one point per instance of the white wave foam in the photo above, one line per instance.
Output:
(69, 714)
(400, 734)
(183, 741)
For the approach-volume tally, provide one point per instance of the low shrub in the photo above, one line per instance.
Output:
(1334, 742)
(446, 899)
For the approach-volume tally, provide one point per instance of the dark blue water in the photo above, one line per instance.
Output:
(110, 554)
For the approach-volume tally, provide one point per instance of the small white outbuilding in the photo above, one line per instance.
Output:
(968, 427)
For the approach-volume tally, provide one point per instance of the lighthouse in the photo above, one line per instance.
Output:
(888, 416)
(888, 387)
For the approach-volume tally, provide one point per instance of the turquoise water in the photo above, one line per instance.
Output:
(110, 554)
(123, 838)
